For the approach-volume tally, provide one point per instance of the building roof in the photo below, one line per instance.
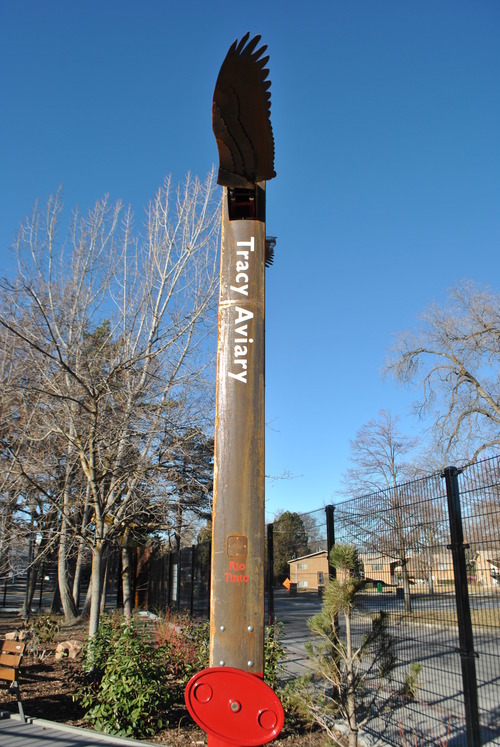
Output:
(311, 555)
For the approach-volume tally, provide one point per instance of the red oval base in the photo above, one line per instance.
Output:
(234, 706)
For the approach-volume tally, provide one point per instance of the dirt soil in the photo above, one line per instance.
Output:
(47, 686)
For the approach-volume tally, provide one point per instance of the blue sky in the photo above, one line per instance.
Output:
(386, 116)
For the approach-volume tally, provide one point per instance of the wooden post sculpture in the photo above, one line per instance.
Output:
(229, 700)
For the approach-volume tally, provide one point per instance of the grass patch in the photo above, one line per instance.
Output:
(482, 618)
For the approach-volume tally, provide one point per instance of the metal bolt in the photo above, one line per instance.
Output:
(235, 706)
(250, 628)
(250, 663)
(222, 663)
(222, 628)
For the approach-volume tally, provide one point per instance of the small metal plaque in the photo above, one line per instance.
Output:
(237, 546)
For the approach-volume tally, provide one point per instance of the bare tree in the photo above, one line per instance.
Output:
(113, 330)
(378, 476)
(431, 535)
(18, 501)
(189, 474)
(454, 356)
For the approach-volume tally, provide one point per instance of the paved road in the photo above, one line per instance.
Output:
(440, 702)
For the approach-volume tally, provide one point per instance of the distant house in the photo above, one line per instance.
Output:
(487, 565)
(432, 566)
(310, 572)
(379, 568)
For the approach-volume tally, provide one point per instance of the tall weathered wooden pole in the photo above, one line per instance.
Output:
(238, 541)
(230, 700)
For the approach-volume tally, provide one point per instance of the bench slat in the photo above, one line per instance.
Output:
(8, 674)
(14, 647)
(10, 660)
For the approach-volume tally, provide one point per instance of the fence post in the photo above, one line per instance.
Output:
(40, 600)
(465, 634)
(191, 594)
(170, 579)
(270, 573)
(179, 576)
(330, 537)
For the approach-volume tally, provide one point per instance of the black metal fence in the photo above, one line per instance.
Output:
(180, 580)
(430, 554)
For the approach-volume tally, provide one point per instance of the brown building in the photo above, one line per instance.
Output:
(487, 567)
(310, 572)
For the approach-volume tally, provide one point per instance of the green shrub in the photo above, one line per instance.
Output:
(134, 677)
(411, 684)
(348, 678)
(98, 648)
(123, 689)
(274, 655)
(289, 692)
(43, 629)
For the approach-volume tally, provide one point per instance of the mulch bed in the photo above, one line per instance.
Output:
(47, 686)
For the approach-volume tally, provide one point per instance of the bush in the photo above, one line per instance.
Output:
(274, 655)
(123, 689)
(43, 629)
(135, 677)
(99, 648)
(291, 692)
(182, 645)
(412, 682)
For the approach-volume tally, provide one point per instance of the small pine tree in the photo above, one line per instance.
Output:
(343, 668)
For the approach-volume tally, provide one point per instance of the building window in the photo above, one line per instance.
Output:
(321, 578)
(378, 567)
(303, 584)
(302, 566)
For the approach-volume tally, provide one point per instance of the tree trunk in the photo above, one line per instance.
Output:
(126, 584)
(32, 570)
(77, 577)
(55, 606)
(6, 538)
(406, 585)
(95, 587)
(31, 580)
(429, 572)
(80, 554)
(351, 695)
(104, 582)
(86, 605)
(68, 604)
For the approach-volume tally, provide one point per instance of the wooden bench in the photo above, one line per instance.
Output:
(11, 653)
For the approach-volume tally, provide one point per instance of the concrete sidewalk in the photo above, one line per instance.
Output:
(40, 733)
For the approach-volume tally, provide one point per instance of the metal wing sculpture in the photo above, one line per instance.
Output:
(241, 116)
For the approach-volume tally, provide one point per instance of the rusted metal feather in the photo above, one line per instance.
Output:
(241, 116)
